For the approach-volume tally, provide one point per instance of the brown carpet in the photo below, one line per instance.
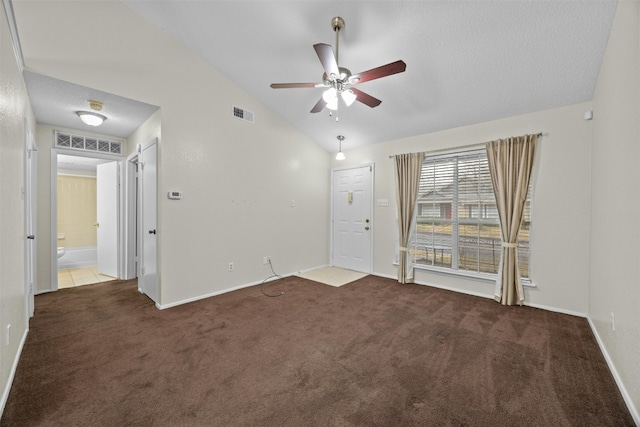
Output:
(370, 353)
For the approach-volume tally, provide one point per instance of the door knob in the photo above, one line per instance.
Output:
(367, 227)
(31, 236)
(152, 231)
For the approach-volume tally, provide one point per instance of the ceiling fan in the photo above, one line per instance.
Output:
(339, 80)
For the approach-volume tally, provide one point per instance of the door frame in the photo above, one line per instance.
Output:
(31, 218)
(54, 207)
(132, 212)
(372, 166)
(140, 224)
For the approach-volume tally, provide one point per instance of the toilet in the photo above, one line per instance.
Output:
(61, 251)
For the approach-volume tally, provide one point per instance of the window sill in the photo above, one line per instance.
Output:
(485, 277)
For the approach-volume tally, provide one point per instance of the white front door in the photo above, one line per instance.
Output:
(148, 275)
(352, 221)
(107, 208)
(31, 167)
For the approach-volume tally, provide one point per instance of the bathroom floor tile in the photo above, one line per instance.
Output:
(64, 279)
(81, 276)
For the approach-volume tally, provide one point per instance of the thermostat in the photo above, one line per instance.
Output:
(175, 195)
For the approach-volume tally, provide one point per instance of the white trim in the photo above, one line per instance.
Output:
(55, 151)
(235, 288)
(216, 293)
(623, 390)
(555, 309)
(483, 277)
(312, 269)
(130, 226)
(53, 205)
(461, 291)
(12, 372)
(13, 29)
(490, 296)
(30, 191)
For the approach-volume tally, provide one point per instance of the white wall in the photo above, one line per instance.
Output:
(238, 178)
(615, 230)
(14, 108)
(560, 210)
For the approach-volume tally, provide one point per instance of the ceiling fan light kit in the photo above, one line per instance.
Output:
(339, 80)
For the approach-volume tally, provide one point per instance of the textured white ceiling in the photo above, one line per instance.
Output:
(55, 102)
(467, 61)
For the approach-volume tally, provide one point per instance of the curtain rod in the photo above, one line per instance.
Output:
(460, 147)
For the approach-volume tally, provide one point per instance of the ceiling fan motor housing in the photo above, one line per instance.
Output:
(338, 82)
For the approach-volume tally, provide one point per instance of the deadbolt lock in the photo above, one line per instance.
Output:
(367, 220)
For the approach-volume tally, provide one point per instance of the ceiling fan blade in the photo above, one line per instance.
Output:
(327, 58)
(365, 98)
(382, 71)
(292, 85)
(319, 106)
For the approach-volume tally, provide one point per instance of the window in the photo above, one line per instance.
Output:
(457, 224)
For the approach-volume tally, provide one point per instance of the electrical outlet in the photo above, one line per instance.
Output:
(230, 266)
(613, 322)
(265, 260)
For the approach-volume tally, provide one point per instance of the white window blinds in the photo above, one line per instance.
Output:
(456, 217)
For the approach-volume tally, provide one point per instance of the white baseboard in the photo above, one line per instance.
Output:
(489, 296)
(224, 291)
(311, 269)
(461, 291)
(556, 309)
(12, 373)
(623, 390)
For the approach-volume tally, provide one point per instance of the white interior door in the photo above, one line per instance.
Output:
(31, 167)
(352, 219)
(148, 275)
(107, 196)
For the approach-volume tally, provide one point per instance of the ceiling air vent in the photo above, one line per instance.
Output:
(242, 114)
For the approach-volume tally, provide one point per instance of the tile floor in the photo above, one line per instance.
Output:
(81, 276)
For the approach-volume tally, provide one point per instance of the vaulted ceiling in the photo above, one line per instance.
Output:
(467, 61)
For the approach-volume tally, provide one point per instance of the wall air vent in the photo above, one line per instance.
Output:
(242, 114)
(86, 143)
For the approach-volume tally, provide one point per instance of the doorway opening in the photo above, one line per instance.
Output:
(85, 220)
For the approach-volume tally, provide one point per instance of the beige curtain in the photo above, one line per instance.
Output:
(408, 168)
(510, 163)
